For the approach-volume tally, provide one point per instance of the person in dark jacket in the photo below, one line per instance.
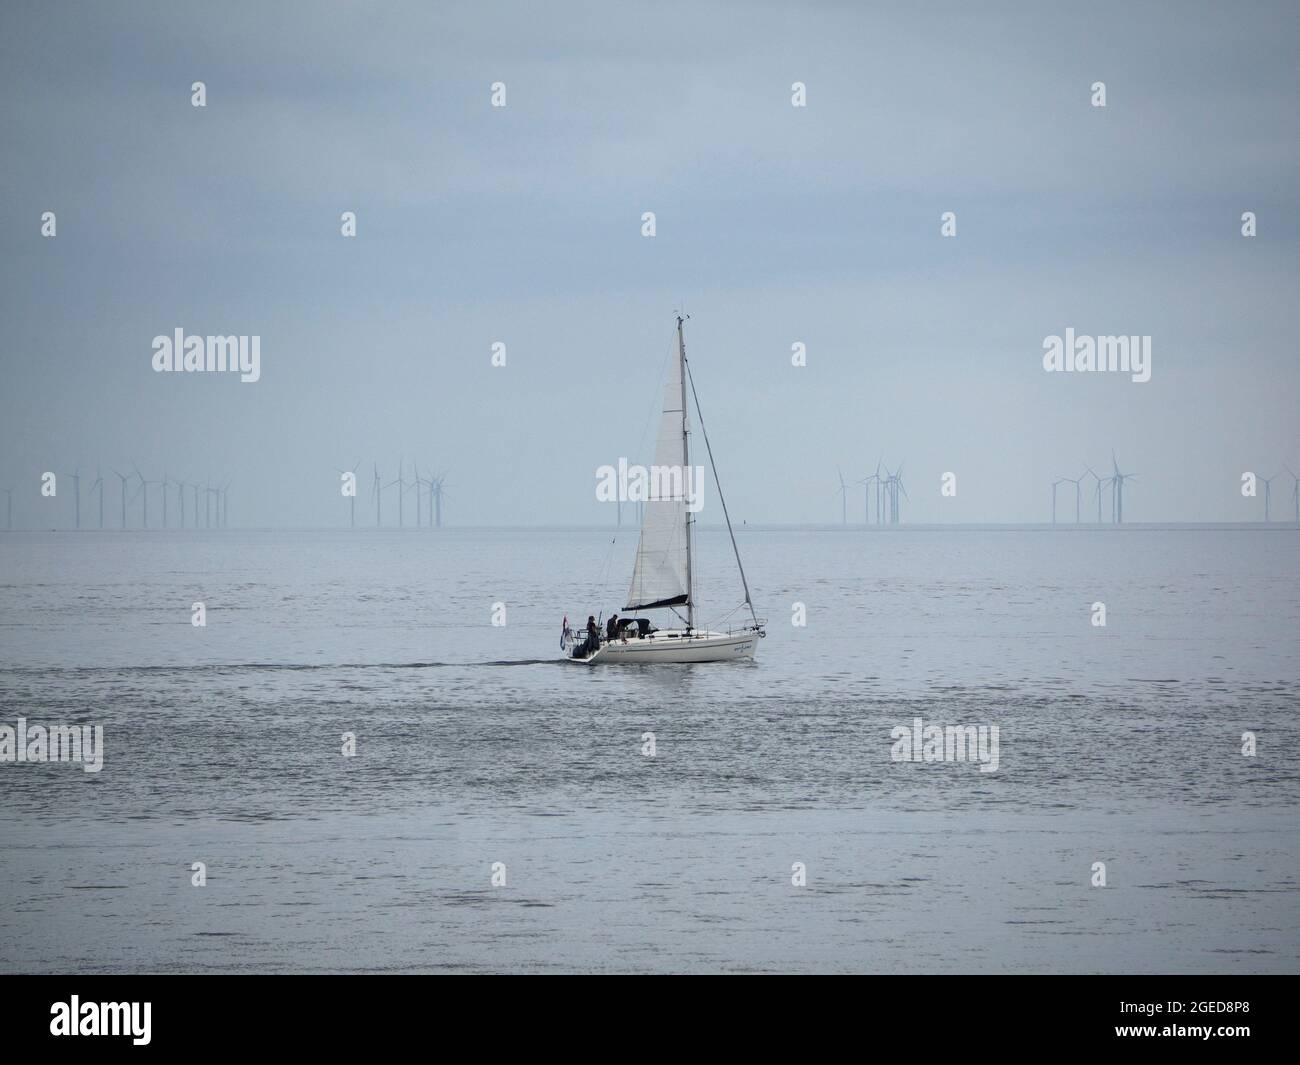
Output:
(593, 635)
(611, 629)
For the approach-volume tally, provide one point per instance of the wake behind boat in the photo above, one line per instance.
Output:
(662, 578)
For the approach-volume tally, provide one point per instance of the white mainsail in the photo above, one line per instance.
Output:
(662, 575)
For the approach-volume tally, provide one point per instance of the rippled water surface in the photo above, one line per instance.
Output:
(476, 745)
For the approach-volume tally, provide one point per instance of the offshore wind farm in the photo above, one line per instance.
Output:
(50, 504)
(55, 501)
(418, 498)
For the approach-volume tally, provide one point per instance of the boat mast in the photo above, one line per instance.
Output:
(686, 472)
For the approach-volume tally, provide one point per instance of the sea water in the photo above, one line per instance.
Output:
(503, 810)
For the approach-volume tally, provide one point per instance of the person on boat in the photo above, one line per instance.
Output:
(593, 635)
(611, 629)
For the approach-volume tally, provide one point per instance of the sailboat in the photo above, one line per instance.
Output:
(663, 576)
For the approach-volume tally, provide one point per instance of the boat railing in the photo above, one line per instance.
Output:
(749, 626)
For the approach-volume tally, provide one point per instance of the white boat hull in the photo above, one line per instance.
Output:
(676, 646)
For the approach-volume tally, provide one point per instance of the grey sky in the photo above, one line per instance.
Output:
(775, 225)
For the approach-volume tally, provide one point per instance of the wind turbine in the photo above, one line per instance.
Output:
(377, 494)
(225, 502)
(352, 518)
(1106, 482)
(898, 487)
(1059, 480)
(892, 485)
(144, 509)
(144, 493)
(401, 486)
(1295, 492)
(1093, 474)
(867, 482)
(844, 497)
(1078, 497)
(75, 477)
(439, 483)
(166, 482)
(1268, 492)
(99, 483)
(428, 483)
(418, 482)
(1119, 480)
(401, 494)
(123, 478)
(435, 485)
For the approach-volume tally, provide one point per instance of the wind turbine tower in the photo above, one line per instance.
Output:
(123, 478)
(1078, 497)
(99, 483)
(352, 515)
(401, 492)
(75, 477)
(439, 483)
(1118, 487)
(144, 500)
(894, 485)
(898, 481)
(1268, 493)
(400, 484)
(1090, 472)
(867, 483)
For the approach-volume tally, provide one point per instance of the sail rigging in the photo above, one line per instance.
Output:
(721, 498)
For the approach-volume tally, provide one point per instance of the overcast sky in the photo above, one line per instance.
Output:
(775, 224)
